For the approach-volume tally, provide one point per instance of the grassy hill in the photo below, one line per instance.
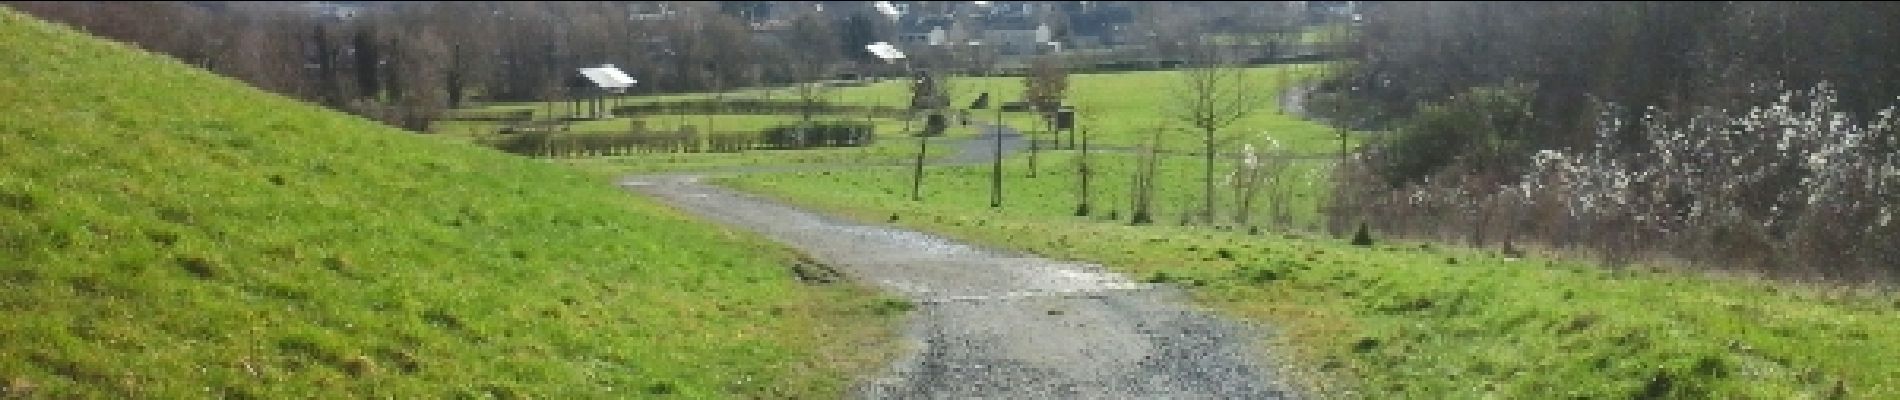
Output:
(1415, 320)
(167, 233)
(1406, 319)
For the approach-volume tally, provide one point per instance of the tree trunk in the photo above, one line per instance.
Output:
(996, 172)
(1034, 148)
(1134, 194)
(1207, 210)
(1144, 213)
(1250, 187)
(1082, 209)
(917, 177)
(1139, 213)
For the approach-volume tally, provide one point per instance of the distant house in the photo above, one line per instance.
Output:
(1014, 9)
(1100, 27)
(652, 12)
(1331, 11)
(1016, 36)
(897, 8)
(913, 30)
(771, 25)
(333, 10)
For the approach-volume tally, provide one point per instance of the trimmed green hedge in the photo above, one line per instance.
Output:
(783, 137)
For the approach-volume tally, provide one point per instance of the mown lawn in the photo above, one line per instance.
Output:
(896, 141)
(167, 233)
(1121, 109)
(1398, 319)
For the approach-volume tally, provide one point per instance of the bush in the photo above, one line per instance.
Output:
(818, 134)
(1794, 188)
(1484, 129)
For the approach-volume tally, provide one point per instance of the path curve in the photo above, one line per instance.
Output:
(997, 324)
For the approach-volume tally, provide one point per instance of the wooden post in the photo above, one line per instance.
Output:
(917, 175)
(1035, 147)
(996, 174)
(1082, 210)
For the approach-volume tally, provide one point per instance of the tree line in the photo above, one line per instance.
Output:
(1750, 135)
(404, 63)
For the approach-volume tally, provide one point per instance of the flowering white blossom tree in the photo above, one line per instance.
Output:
(1792, 187)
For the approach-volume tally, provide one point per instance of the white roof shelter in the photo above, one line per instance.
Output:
(885, 51)
(608, 77)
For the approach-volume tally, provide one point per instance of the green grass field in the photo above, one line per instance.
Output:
(1055, 189)
(1411, 320)
(1120, 108)
(1399, 320)
(167, 233)
(895, 141)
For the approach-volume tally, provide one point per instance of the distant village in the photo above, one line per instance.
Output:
(1002, 35)
(404, 63)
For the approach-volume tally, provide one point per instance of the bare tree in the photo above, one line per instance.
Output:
(419, 98)
(1261, 169)
(1147, 162)
(928, 92)
(1043, 89)
(1165, 26)
(1083, 171)
(811, 64)
(1214, 93)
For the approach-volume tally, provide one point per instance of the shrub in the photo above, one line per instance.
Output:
(1794, 188)
(1363, 237)
(1486, 129)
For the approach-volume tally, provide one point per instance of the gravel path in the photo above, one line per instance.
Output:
(994, 324)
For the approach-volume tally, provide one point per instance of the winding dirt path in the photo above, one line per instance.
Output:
(993, 324)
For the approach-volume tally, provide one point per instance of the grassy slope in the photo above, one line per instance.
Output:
(1411, 320)
(1419, 321)
(168, 233)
